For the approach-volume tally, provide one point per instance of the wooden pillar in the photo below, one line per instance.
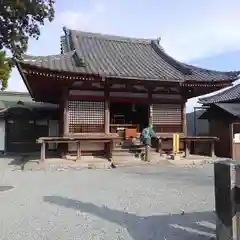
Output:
(187, 148)
(150, 106)
(78, 150)
(43, 151)
(184, 119)
(213, 149)
(106, 109)
(65, 113)
(231, 140)
(64, 122)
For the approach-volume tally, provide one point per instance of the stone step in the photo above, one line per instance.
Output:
(131, 148)
(125, 158)
(89, 162)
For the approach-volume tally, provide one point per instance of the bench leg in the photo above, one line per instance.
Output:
(43, 151)
(157, 145)
(109, 150)
(78, 151)
(187, 149)
(213, 150)
(160, 147)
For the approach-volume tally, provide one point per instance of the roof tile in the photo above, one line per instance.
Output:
(229, 94)
(122, 57)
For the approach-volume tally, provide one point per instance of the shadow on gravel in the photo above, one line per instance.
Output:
(194, 226)
(5, 188)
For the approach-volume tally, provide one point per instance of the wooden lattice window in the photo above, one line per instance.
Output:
(86, 116)
(167, 114)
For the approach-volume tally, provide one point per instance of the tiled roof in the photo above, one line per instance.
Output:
(18, 99)
(202, 74)
(232, 108)
(58, 62)
(227, 95)
(121, 57)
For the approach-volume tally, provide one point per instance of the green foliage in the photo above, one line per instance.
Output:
(19, 20)
(5, 69)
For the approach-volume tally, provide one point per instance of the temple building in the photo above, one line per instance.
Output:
(108, 85)
(223, 114)
(22, 121)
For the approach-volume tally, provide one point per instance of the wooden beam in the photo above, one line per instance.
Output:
(65, 112)
(150, 106)
(106, 109)
(133, 90)
(184, 118)
(43, 151)
(78, 150)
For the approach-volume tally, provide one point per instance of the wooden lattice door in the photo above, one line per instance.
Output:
(86, 116)
(167, 117)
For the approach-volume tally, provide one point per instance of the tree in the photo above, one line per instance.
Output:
(6, 64)
(19, 20)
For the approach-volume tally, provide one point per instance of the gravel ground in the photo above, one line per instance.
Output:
(139, 203)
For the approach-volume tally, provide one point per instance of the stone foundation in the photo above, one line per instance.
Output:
(227, 198)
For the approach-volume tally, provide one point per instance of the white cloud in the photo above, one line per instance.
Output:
(82, 20)
(85, 20)
(214, 32)
(189, 31)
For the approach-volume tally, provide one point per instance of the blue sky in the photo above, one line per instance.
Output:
(202, 32)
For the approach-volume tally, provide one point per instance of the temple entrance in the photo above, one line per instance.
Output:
(128, 115)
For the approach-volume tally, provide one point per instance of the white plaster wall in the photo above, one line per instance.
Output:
(53, 131)
(2, 134)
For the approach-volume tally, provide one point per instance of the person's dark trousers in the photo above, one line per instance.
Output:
(147, 143)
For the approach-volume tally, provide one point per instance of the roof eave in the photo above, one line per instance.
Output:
(23, 77)
(103, 76)
(209, 99)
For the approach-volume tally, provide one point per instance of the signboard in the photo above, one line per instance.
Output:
(236, 138)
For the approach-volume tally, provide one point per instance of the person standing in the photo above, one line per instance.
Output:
(146, 136)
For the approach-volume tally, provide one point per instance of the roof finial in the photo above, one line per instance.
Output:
(65, 30)
(159, 40)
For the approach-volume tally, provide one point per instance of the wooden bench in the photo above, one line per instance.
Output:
(108, 140)
(187, 143)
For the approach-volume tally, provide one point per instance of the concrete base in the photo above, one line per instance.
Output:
(175, 157)
(187, 162)
(88, 162)
(222, 232)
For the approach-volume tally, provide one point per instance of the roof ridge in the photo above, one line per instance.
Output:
(30, 58)
(154, 43)
(110, 37)
(183, 68)
(172, 61)
(210, 70)
(50, 55)
(228, 90)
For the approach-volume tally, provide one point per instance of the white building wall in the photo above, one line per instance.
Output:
(2, 134)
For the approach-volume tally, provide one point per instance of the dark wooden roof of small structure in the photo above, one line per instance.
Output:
(10, 99)
(230, 94)
(232, 108)
(15, 100)
(121, 57)
(219, 110)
